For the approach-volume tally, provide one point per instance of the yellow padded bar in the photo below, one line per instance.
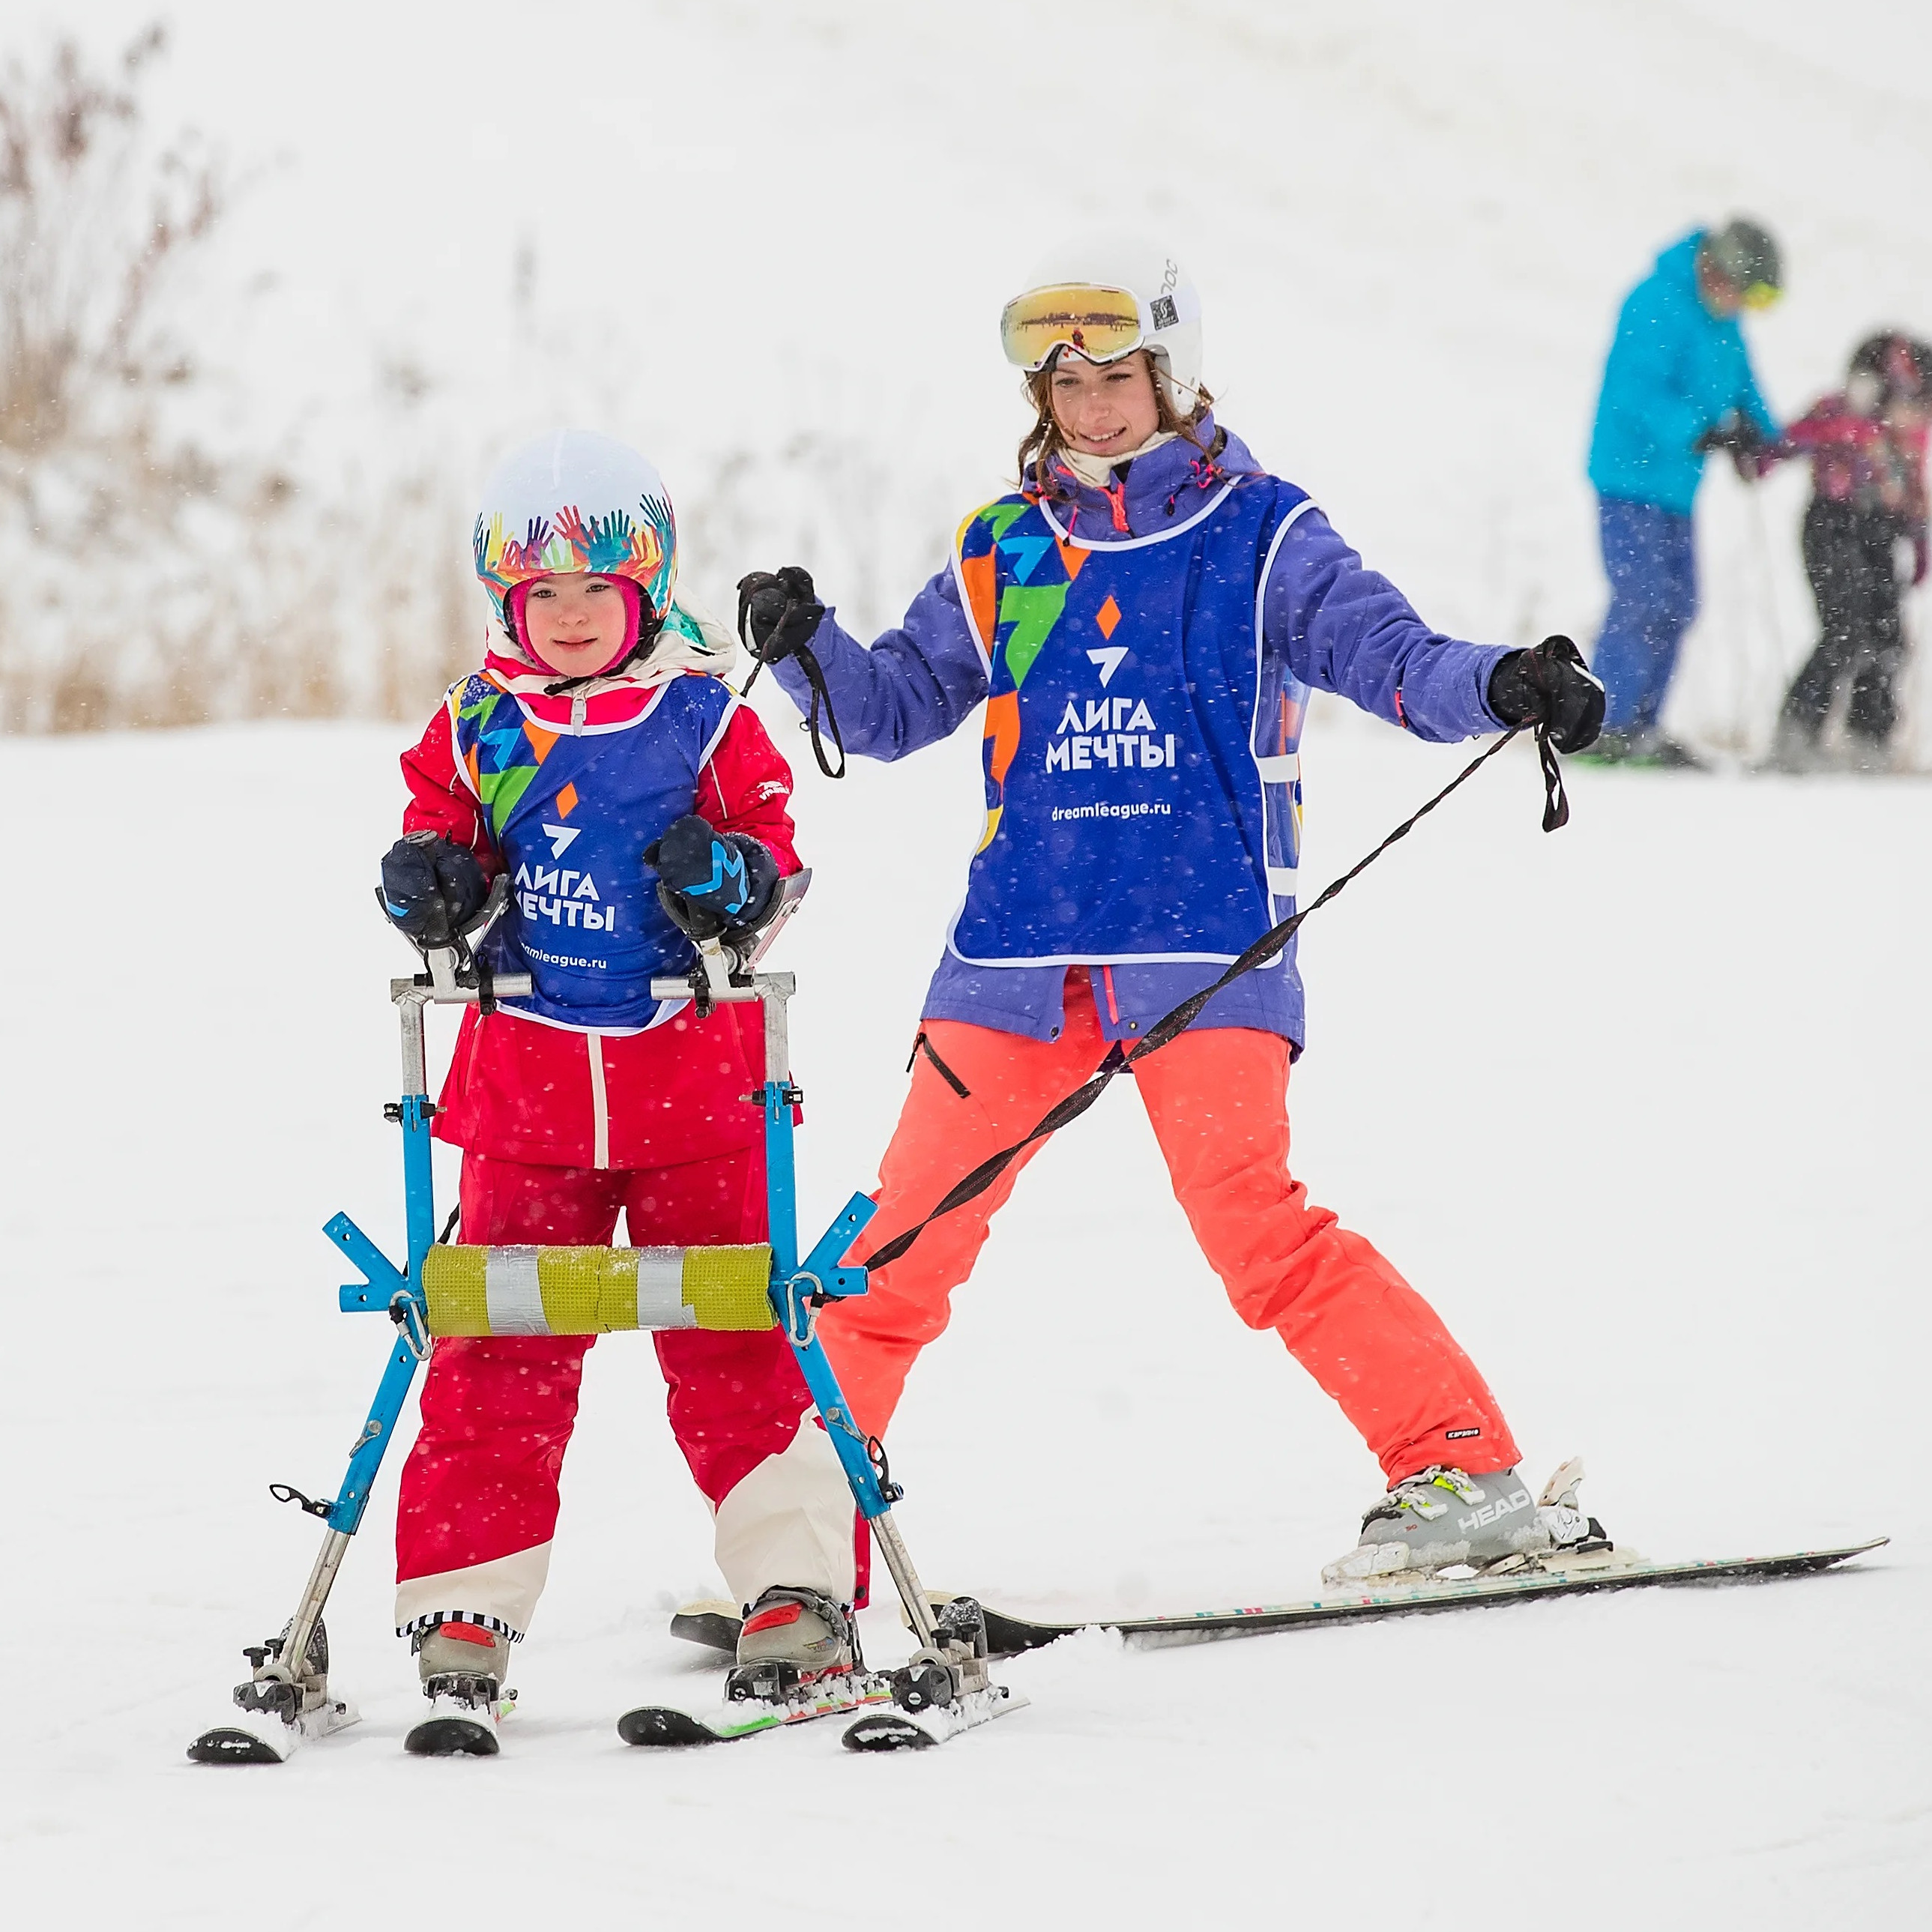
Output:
(520, 1291)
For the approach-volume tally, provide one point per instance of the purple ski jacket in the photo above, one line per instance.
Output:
(1339, 627)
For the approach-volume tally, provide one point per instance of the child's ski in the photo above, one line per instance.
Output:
(748, 1717)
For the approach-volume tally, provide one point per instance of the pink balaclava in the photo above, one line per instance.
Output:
(634, 605)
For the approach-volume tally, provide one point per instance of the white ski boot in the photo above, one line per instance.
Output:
(790, 1639)
(1446, 1520)
(463, 1667)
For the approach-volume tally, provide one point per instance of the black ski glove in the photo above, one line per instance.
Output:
(778, 611)
(715, 885)
(1748, 445)
(1549, 685)
(1737, 434)
(432, 889)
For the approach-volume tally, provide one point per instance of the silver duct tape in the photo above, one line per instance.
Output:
(661, 1290)
(511, 1292)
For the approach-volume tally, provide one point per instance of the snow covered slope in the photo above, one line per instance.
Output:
(1638, 1104)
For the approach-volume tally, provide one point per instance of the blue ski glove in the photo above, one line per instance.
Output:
(431, 889)
(715, 885)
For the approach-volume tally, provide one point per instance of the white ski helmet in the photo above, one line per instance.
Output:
(576, 503)
(1053, 312)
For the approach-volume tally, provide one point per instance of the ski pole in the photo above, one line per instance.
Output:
(1767, 583)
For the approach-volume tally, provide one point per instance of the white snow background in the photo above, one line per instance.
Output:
(1639, 1105)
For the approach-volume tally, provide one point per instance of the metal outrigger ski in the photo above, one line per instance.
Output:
(287, 1701)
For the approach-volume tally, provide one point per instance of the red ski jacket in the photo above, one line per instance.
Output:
(521, 1090)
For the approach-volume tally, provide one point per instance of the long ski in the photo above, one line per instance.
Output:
(1549, 1576)
(714, 1625)
(660, 1724)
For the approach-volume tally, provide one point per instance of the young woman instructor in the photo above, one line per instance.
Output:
(1144, 619)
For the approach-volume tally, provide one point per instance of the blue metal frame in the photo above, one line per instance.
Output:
(794, 1290)
(401, 1295)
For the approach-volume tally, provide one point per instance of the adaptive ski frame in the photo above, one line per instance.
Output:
(285, 1682)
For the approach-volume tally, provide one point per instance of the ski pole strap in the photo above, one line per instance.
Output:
(821, 701)
(1555, 813)
(520, 1291)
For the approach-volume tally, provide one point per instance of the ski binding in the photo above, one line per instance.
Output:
(901, 1730)
(278, 1711)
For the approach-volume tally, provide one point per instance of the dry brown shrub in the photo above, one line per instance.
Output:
(145, 578)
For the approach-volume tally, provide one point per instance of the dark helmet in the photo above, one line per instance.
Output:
(1745, 255)
(1900, 364)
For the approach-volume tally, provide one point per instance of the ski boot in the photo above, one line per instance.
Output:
(1608, 748)
(792, 1638)
(1649, 748)
(280, 1708)
(1795, 750)
(463, 1667)
(1445, 1518)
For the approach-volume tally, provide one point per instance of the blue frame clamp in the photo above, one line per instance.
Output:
(791, 1294)
(834, 1283)
(382, 1281)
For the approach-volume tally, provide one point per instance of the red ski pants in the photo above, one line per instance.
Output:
(479, 1491)
(1217, 1098)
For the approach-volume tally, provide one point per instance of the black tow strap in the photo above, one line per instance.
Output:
(1555, 815)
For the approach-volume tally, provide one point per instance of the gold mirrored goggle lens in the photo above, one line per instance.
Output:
(1762, 295)
(1102, 325)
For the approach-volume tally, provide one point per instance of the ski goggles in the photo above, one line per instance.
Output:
(1761, 294)
(1100, 324)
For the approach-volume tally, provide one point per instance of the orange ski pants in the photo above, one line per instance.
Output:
(1217, 1098)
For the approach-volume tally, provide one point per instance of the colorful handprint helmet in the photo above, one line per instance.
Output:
(576, 504)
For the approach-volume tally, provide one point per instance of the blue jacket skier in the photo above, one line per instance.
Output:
(1677, 384)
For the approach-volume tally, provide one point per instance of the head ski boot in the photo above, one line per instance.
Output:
(1441, 1519)
(790, 1639)
(463, 1666)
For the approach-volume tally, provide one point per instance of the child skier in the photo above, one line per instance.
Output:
(1143, 620)
(600, 738)
(1867, 447)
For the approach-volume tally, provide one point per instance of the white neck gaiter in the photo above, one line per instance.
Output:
(1097, 472)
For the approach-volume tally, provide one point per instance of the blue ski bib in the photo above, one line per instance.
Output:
(1142, 799)
(571, 814)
